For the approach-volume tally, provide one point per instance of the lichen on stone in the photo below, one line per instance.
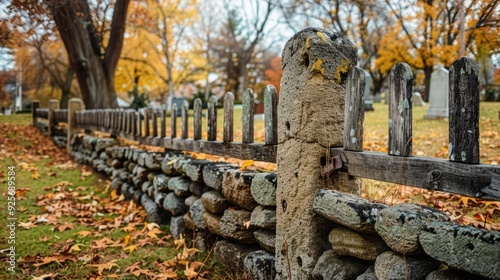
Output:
(342, 70)
(318, 67)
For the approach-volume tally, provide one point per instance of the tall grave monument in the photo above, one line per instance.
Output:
(438, 99)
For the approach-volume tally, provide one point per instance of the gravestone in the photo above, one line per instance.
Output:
(417, 99)
(178, 101)
(438, 98)
(368, 97)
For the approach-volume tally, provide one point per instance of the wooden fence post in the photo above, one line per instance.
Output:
(228, 117)
(35, 105)
(316, 63)
(464, 111)
(53, 105)
(400, 110)
(247, 116)
(74, 104)
(354, 111)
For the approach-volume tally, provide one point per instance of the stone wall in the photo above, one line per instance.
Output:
(366, 240)
(210, 199)
(404, 241)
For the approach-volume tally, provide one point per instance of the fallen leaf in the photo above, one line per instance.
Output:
(44, 238)
(75, 248)
(83, 233)
(465, 200)
(151, 226)
(27, 225)
(126, 239)
(153, 233)
(247, 224)
(64, 227)
(50, 276)
(245, 164)
(104, 266)
(47, 260)
(130, 248)
(35, 175)
(85, 173)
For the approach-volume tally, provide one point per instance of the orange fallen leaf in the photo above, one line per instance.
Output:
(64, 227)
(245, 164)
(83, 233)
(130, 249)
(75, 248)
(104, 266)
(153, 233)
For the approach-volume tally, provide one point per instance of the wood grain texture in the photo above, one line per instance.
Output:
(212, 118)
(354, 115)
(247, 116)
(138, 119)
(147, 117)
(184, 120)
(173, 121)
(163, 123)
(271, 115)
(154, 115)
(228, 117)
(400, 110)
(197, 118)
(477, 180)
(464, 111)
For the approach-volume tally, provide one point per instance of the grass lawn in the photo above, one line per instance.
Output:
(69, 227)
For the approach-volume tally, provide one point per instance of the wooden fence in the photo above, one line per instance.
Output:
(460, 174)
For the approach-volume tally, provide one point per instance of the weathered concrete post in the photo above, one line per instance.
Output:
(35, 105)
(74, 104)
(315, 65)
(53, 104)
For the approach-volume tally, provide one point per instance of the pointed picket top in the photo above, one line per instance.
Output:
(400, 110)
(212, 118)
(271, 115)
(247, 116)
(197, 119)
(354, 110)
(464, 111)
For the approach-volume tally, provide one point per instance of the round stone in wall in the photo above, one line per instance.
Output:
(400, 226)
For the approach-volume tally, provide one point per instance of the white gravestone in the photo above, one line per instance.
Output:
(417, 99)
(438, 99)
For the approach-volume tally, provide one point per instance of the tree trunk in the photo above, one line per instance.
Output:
(94, 70)
(427, 82)
(66, 89)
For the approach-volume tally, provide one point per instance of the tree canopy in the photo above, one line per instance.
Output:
(159, 46)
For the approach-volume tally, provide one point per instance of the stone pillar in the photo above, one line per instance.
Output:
(53, 105)
(315, 64)
(74, 104)
(35, 105)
